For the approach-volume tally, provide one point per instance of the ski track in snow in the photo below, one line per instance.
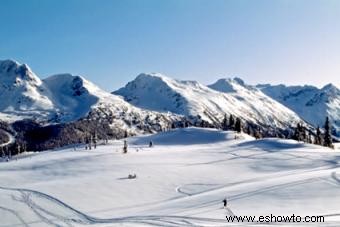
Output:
(77, 217)
(16, 214)
(187, 209)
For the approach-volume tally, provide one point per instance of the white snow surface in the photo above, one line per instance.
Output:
(309, 102)
(181, 181)
(158, 92)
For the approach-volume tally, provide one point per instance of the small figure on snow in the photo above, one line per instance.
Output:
(225, 202)
(150, 144)
(132, 176)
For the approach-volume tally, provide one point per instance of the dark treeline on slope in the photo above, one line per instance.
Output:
(326, 138)
(3, 137)
(3, 128)
(317, 137)
(31, 136)
(256, 130)
(300, 133)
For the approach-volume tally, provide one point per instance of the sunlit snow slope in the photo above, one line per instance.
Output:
(181, 181)
(160, 93)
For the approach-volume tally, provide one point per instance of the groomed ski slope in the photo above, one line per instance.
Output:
(181, 181)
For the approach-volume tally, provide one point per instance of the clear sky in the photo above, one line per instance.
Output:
(110, 42)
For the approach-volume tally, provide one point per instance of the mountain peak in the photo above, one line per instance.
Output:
(239, 81)
(13, 72)
(223, 85)
(330, 87)
(76, 84)
(227, 85)
(153, 75)
(4, 64)
(149, 81)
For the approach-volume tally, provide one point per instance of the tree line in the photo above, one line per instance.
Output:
(319, 138)
(301, 133)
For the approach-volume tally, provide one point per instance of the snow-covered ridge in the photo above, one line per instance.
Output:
(58, 98)
(309, 102)
(22, 93)
(229, 85)
(157, 92)
(64, 98)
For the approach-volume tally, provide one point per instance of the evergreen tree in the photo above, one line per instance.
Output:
(86, 142)
(94, 139)
(318, 136)
(125, 147)
(238, 126)
(18, 148)
(202, 124)
(327, 140)
(309, 138)
(173, 125)
(90, 142)
(303, 134)
(2, 152)
(257, 133)
(298, 132)
(231, 121)
(225, 122)
(248, 130)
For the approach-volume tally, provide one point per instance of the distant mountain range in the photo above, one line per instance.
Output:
(63, 109)
(61, 98)
(151, 103)
(309, 102)
(190, 98)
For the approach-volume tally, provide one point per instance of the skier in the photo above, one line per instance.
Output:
(225, 202)
(150, 144)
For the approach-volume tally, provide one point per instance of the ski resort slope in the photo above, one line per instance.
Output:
(181, 181)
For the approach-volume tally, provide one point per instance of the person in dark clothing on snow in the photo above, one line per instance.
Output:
(225, 202)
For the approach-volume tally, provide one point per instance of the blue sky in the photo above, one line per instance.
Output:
(110, 42)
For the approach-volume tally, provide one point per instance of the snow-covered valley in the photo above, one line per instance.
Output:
(181, 181)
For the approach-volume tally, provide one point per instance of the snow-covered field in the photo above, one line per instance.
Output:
(181, 181)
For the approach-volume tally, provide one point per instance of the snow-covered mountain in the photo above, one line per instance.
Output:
(22, 93)
(65, 98)
(309, 102)
(160, 93)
